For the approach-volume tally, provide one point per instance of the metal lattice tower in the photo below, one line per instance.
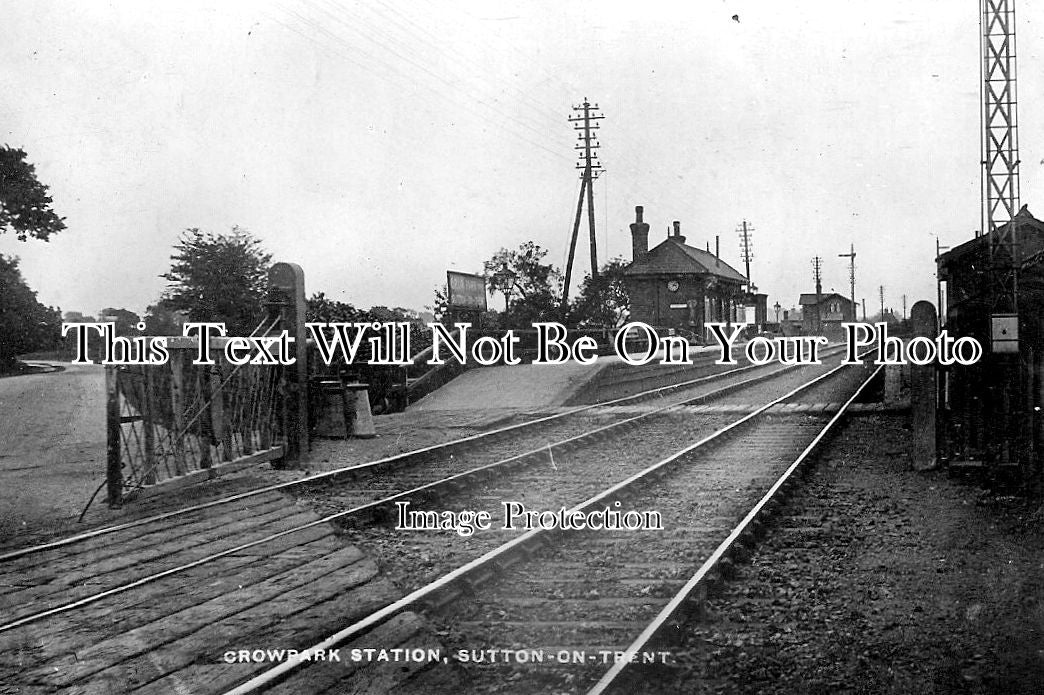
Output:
(1000, 148)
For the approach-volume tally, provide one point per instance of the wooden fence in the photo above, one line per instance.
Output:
(182, 421)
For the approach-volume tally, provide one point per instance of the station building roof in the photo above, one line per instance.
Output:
(809, 298)
(1030, 234)
(673, 257)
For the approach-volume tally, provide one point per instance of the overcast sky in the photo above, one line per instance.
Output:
(380, 143)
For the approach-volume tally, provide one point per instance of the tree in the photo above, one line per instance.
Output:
(440, 305)
(77, 317)
(25, 206)
(25, 323)
(603, 300)
(218, 277)
(161, 319)
(532, 290)
(126, 320)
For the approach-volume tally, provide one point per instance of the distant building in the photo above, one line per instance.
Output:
(674, 285)
(834, 309)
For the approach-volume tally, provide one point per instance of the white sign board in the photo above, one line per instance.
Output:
(1004, 332)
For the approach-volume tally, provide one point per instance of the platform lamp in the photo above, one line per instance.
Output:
(777, 307)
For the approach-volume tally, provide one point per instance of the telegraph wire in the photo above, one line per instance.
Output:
(343, 50)
(420, 66)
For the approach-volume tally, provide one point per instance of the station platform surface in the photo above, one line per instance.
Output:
(479, 400)
(523, 385)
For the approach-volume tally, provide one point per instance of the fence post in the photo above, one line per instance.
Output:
(114, 464)
(148, 421)
(923, 392)
(287, 279)
(177, 408)
(219, 422)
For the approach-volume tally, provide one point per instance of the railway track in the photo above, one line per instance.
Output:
(545, 428)
(258, 533)
(598, 597)
(263, 517)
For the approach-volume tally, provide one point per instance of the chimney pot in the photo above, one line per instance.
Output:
(677, 232)
(639, 235)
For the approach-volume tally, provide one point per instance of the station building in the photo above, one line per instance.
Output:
(680, 287)
(990, 413)
(831, 311)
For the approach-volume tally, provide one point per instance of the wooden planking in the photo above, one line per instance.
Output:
(66, 584)
(151, 534)
(297, 631)
(152, 602)
(134, 657)
(221, 628)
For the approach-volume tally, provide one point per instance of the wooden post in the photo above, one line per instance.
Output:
(288, 279)
(114, 464)
(177, 407)
(148, 423)
(243, 418)
(218, 417)
(923, 392)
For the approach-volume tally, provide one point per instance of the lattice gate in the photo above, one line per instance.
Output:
(181, 421)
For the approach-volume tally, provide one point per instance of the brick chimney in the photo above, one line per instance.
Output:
(677, 235)
(639, 235)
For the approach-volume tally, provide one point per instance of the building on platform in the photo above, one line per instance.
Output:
(680, 287)
(825, 316)
(990, 412)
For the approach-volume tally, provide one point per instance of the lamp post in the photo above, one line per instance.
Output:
(777, 307)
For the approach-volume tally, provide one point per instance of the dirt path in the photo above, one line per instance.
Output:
(52, 447)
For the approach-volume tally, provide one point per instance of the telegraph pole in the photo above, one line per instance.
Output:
(746, 250)
(584, 122)
(851, 256)
(881, 291)
(904, 307)
(817, 273)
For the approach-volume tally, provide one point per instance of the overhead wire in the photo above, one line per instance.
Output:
(339, 48)
(400, 54)
(447, 50)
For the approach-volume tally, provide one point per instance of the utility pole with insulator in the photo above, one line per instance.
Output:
(584, 122)
(746, 249)
(851, 256)
(817, 274)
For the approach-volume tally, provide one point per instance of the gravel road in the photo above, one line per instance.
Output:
(52, 448)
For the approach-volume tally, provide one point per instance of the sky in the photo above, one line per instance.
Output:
(380, 143)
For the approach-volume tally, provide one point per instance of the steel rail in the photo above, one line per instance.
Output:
(723, 550)
(525, 542)
(370, 506)
(387, 461)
